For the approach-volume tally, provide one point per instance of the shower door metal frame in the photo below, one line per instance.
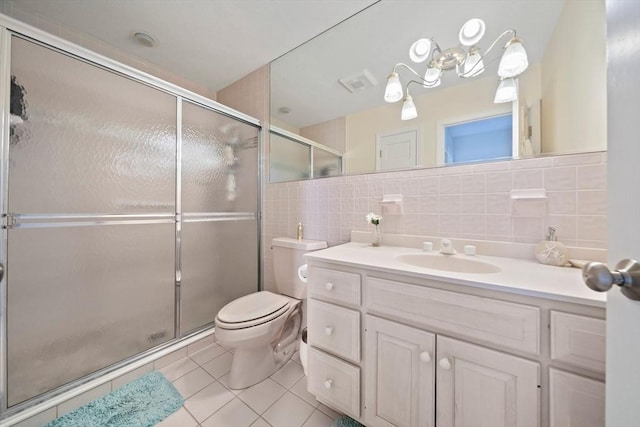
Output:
(11, 27)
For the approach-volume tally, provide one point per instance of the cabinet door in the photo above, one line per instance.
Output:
(575, 400)
(478, 387)
(399, 375)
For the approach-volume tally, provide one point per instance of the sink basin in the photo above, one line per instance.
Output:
(449, 263)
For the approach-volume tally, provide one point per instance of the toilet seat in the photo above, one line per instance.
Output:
(252, 310)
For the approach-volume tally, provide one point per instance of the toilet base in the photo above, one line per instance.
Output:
(250, 366)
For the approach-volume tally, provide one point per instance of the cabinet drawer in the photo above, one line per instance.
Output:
(335, 329)
(506, 324)
(334, 382)
(334, 285)
(578, 340)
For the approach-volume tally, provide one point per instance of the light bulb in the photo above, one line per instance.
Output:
(408, 109)
(507, 91)
(514, 59)
(393, 91)
(419, 50)
(471, 32)
(432, 77)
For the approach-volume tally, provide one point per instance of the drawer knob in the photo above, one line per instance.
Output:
(425, 357)
(328, 330)
(329, 286)
(328, 384)
(445, 364)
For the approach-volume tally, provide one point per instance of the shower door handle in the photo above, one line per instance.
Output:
(1, 272)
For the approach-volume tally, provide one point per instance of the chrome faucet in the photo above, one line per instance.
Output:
(446, 247)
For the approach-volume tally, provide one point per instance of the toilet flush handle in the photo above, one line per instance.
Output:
(329, 286)
(328, 330)
(302, 273)
(328, 383)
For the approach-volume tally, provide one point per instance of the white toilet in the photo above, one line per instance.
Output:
(262, 328)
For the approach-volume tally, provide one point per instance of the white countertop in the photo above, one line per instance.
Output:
(517, 276)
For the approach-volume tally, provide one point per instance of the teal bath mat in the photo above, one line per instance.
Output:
(141, 403)
(345, 421)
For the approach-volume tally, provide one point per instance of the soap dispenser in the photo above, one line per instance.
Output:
(550, 251)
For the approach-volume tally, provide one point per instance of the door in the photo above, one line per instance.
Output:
(89, 220)
(575, 400)
(485, 388)
(219, 204)
(397, 150)
(399, 375)
(623, 110)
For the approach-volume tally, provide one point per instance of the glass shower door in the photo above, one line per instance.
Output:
(91, 220)
(219, 229)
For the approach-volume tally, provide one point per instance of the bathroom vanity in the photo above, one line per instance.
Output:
(401, 337)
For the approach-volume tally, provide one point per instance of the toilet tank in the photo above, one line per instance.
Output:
(287, 258)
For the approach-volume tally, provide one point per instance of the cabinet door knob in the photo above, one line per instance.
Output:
(445, 364)
(328, 383)
(328, 330)
(329, 286)
(425, 357)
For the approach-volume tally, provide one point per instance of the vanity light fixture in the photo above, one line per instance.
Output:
(507, 91)
(467, 63)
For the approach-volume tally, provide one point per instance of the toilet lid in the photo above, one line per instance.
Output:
(254, 306)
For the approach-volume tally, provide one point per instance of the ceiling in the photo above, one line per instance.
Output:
(210, 42)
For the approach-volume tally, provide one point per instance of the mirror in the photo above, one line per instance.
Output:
(562, 95)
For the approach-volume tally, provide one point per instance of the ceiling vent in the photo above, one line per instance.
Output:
(359, 81)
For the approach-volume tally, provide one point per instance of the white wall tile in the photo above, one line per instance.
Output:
(473, 224)
(560, 178)
(562, 202)
(499, 181)
(449, 184)
(428, 185)
(499, 225)
(472, 204)
(528, 227)
(497, 203)
(529, 207)
(539, 163)
(528, 178)
(450, 224)
(474, 183)
(470, 201)
(579, 159)
(592, 228)
(592, 177)
(592, 202)
(449, 204)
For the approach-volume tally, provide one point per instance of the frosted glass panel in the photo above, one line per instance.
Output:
(288, 160)
(219, 162)
(219, 264)
(83, 298)
(325, 163)
(106, 142)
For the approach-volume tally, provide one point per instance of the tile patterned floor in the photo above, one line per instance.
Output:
(279, 401)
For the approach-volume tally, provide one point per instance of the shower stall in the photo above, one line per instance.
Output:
(129, 214)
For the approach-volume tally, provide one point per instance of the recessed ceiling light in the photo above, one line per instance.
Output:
(284, 110)
(145, 39)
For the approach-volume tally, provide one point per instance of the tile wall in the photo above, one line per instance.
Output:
(470, 201)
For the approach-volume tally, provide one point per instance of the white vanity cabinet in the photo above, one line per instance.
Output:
(473, 384)
(390, 349)
(400, 374)
(577, 341)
